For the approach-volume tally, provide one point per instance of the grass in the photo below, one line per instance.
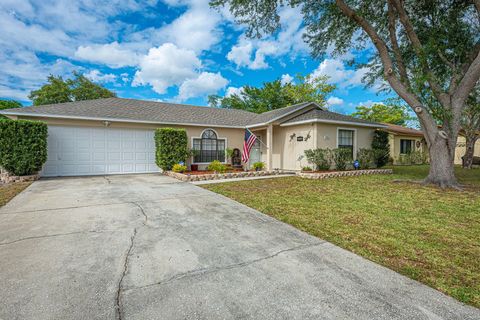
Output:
(425, 233)
(9, 191)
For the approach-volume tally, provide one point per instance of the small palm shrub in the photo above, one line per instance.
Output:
(217, 166)
(258, 166)
(179, 168)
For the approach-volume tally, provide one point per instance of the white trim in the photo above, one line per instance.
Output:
(218, 138)
(358, 124)
(354, 139)
(40, 115)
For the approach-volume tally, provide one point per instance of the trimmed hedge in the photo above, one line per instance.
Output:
(23, 146)
(171, 147)
(381, 148)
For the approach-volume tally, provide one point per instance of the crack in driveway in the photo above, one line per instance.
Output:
(55, 235)
(118, 298)
(204, 271)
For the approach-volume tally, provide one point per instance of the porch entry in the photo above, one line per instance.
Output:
(256, 152)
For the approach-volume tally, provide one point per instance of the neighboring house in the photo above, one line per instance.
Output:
(461, 148)
(404, 141)
(113, 136)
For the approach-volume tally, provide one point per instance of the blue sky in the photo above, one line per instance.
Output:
(171, 50)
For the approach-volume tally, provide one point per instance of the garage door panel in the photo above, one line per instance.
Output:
(86, 151)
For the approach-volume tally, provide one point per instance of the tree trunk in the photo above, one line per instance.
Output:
(469, 151)
(442, 171)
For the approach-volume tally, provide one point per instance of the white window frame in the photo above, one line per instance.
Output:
(354, 139)
(200, 137)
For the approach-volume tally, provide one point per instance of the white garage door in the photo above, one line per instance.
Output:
(76, 151)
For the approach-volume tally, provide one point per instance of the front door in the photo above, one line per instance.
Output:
(255, 153)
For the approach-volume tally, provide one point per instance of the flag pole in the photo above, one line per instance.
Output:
(257, 138)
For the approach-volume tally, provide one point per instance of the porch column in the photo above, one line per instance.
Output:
(269, 147)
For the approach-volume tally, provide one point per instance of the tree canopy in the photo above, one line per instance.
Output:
(391, 112)
(275, 95)
(422, 48)
(8, 104)
(58, 90)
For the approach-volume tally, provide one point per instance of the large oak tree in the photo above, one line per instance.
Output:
(422, 48)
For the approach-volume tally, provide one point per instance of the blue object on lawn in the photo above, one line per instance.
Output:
(356, 164)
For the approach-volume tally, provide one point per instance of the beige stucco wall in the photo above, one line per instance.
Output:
(394, 141)
(461, 148)
(288, 153)
(233, 136)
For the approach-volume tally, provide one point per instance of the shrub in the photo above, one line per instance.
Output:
(217, 166)
(171, 147)
(180, 168)
(366, 158)
(23, 146)
(341, 157)
(321, 158)
(418, 157)
(307, 169)
(258, 166)
(381, 148)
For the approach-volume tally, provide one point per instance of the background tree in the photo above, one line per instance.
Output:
(274, 95)
(394, 113)
(471, 127)
(420, 46)
(58, 90)
(8, 104)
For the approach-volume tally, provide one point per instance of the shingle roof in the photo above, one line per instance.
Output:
(319, 114)
(393, 128)
(141, 110)
(169, 113)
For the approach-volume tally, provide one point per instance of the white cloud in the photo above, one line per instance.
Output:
(288, 41)
(12, 93)
(17, 34)
(240, 54)
(286, 78)
(206, 83)
(338, 74)
(233, 90)
(335, 101)
(196, 29)
(97, 76)
(166, 66)
(111, 54)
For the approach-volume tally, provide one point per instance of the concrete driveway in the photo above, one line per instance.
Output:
(150, 247)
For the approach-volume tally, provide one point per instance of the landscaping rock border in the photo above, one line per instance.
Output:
(335, 174)
(6, 177)
(220, 176)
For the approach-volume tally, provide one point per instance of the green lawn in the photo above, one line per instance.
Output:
(8, 191)
(425, 233)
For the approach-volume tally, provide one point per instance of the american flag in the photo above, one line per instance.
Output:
(250, 139)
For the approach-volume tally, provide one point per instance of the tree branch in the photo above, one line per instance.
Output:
(418, 47)
(396, 49)
(468, 82)
(425, 117)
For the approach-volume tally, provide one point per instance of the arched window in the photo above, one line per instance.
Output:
(209, 147)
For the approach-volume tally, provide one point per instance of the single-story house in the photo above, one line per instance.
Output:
(403, 141)
(114, 135)
(462, 148)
